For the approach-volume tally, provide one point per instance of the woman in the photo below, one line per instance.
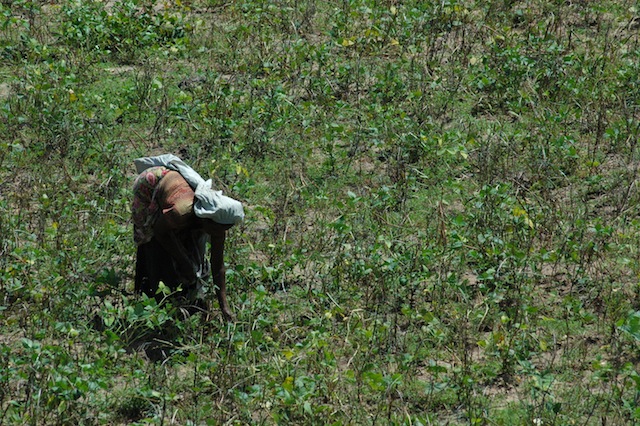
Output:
(175, 212)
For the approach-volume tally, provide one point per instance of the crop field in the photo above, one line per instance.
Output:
(442, 211)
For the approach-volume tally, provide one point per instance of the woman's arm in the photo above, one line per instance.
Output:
(218, 272)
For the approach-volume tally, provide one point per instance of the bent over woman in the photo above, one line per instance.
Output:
(175, 212)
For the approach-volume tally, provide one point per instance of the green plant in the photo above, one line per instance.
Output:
(440, 206)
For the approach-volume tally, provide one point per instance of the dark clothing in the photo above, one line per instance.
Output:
(155, 264)
(159, 191)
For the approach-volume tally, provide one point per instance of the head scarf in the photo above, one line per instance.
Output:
(209, 204)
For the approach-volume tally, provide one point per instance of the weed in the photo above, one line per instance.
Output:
(441, 210)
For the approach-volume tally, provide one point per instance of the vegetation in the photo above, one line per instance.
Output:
(442, 211)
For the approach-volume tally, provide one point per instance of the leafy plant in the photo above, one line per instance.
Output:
(441, 211)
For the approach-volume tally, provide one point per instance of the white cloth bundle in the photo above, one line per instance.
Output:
(209, 204)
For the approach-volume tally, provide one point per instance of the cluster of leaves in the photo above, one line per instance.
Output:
(441, 210)
(124, 28)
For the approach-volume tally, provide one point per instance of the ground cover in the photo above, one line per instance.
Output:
(442, 211)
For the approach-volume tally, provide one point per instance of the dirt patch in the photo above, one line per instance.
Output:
(120, 70)
(5, 90)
